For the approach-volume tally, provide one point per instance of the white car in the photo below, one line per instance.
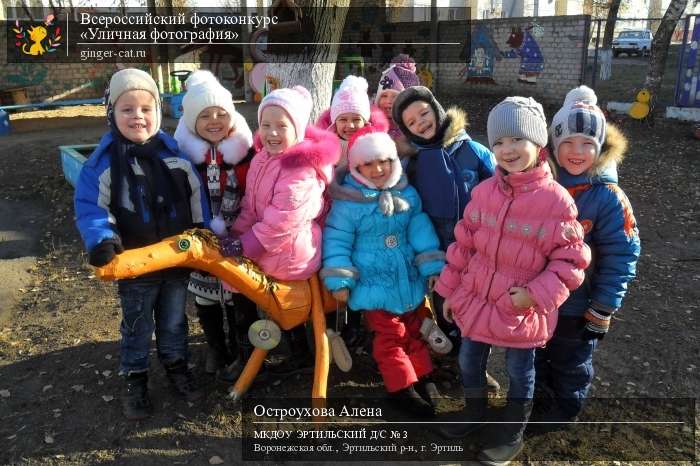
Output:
(629, 42)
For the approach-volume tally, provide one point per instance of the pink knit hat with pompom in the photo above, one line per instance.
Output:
(296, 101)
(351, 97)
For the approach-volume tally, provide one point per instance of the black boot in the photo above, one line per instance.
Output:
(136, 404)
(492, 384)
(182, 380)
(301, 358)
(427, 390)
(240, 316)
(409, 401)
(353, 333)
(471, 416)
(507, 441)
(211, 318)
(549, 418)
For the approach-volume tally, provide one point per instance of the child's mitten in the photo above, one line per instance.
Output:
(231, 246)
(103, 253)
(597, 324)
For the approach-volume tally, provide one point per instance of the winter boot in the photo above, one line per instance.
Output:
(211, 318)
(492, 384)
(471, 416)
(353, 333)
(241, 316)
(136, 404)
(301, 358)
(230, 373)
(549, 418)
(507, 441)
(409, 401)
(428, 391)
(182, 380)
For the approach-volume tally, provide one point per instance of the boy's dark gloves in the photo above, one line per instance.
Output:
(103, 253)
(597, 324)
(231, 246)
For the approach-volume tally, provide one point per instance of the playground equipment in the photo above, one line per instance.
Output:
(287, 303)
(72, 160)
(347, 65)
(172, 102)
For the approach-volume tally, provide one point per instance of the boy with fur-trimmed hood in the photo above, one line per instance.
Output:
(587, 151)
(448, 164)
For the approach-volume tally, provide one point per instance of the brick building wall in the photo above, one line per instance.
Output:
(56, 81)
(548, 61)
(545, 58)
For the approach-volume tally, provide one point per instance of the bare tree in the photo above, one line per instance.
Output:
(314, 68)
(610, 23)
(659, 47)
(606, 51)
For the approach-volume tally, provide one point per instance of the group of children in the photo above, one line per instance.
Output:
(372, 197)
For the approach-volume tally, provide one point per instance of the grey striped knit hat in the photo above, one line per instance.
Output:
(521, 117)
(579, 116)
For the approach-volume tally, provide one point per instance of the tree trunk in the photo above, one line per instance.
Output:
(610, 23)
(659, 47)
(314, 70)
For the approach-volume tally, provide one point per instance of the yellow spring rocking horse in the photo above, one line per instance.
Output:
(287, 303)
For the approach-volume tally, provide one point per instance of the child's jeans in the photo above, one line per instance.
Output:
(149, 305)
(520, 363)
(400, 352)
(565, 366)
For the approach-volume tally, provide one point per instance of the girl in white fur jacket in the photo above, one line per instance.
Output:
(217, 139)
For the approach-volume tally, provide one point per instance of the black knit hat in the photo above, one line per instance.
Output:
(414, 94)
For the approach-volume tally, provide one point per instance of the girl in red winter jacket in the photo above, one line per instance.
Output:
(519, 250)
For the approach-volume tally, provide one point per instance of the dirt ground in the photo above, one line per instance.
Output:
(59, 391)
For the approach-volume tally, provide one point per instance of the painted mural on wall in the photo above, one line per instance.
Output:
(688, 91)
(485, 53)
(24, 74)
(524, 46)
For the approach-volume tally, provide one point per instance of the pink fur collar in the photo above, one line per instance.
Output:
(320, 149)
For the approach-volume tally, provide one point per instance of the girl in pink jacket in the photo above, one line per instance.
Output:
(279, 224)
(518, 252)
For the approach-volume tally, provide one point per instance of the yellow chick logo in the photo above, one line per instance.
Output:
(36, 35)
(30, 41)
(640, 109)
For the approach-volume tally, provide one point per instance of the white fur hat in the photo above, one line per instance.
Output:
(199, 77)
(369, 144)
(296, 101)
(202, 95)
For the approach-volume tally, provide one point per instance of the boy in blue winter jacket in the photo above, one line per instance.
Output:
(135, 190)
(379, 250)
(448, 164)
(587, 152)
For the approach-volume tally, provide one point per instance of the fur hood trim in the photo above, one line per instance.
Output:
(320, 149)
(234, 147)
(613, 151)
(458, 123)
